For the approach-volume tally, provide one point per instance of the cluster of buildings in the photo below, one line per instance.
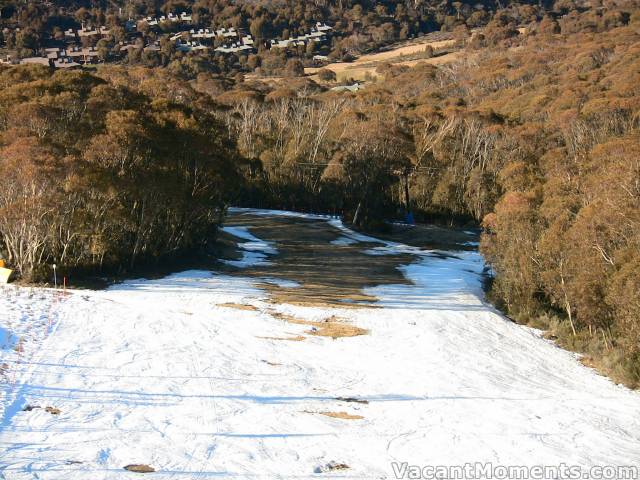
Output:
(170, 18)
(100, 32)
(201, 39)
(71, 57)
(237, 42)
(318, 34)
(188, 39)
(243, 44)
(210, 33)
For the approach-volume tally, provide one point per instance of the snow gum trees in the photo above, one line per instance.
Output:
(290, 138)
(574, 242)
(374, 155)
(331, 153)
(95, 174)
(27, 212)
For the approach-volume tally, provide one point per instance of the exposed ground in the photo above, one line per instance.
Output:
(408, 53)
(310, 267)
(363, 68)
(433, 237)
(263, 368)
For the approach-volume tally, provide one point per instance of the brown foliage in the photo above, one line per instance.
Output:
(74, 165)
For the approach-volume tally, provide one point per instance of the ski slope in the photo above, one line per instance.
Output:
(170, 374)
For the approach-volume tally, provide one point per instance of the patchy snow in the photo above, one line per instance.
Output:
(343, 241)
(351, 235)
(437, 280)
(280, 282)
(157, 372)
(255, 251)
(252, 242)
(280, 213)
(470, 244)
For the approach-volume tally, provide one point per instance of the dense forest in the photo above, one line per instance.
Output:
(96, 174)
(535, 136)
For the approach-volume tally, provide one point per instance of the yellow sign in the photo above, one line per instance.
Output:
(5, 273)
(1, 263)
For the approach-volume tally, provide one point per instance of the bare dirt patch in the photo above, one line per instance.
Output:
(332, 327)
(432, 237)
(319, 297)
(340, 415)
(331, 467)
(239, 306)
(227, 247)
(272, 364)
(352, 400)
(139, 468)
(408, 53)
(51, 410)
(336, 330)
(298, 338)
(326, 275)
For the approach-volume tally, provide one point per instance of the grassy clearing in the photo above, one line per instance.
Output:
(364, 69)
(408, 53)
(432, 237)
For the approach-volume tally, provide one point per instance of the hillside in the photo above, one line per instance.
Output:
(203, 373)
(311, 239)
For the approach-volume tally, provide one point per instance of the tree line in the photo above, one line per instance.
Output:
(96, 174)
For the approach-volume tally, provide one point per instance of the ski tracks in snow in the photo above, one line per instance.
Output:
(159, 372)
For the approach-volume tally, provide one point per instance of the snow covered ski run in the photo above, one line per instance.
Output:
(312, 352)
